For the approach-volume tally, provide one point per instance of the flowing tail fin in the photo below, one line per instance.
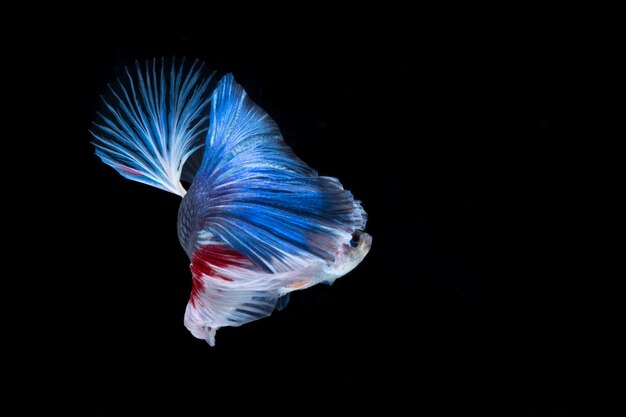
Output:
(262, 199)
(153, 120)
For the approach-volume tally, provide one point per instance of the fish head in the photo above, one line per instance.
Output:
(350, 254)
(358, 247)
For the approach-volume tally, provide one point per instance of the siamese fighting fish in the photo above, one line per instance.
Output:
(256, 221)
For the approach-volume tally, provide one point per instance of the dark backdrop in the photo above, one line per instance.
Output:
(481, 160)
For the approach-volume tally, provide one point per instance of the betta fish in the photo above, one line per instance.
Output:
(256, 221)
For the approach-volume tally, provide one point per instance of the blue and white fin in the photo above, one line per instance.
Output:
(261, 199)
(153, 120)
(227, 307)
(229, 290)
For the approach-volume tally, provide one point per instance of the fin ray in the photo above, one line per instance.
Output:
(153, 121)
(263, 200)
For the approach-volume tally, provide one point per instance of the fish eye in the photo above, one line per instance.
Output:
(356, 238)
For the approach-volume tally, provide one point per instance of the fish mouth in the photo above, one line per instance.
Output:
(366, 241)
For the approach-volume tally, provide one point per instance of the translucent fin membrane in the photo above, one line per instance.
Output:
(153, 119)
(261, 199)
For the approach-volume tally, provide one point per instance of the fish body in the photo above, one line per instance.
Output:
(256, 221)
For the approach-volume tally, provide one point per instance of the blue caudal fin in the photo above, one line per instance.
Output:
(153, 120)
(262, 200)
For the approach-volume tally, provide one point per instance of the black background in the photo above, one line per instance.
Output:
(482, 156)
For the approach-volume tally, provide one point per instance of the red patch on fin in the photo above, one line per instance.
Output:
(128, 170)
(204, 261)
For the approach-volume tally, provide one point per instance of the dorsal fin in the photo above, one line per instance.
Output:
(261, 199)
